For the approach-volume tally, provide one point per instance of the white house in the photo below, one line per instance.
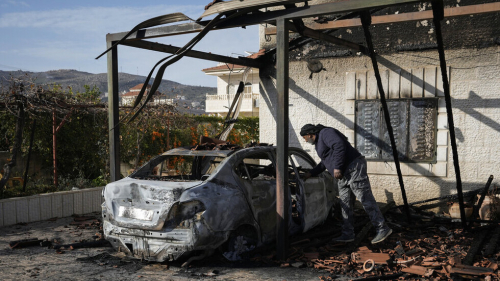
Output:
(228, 79)
(158, 98)
(345, 96)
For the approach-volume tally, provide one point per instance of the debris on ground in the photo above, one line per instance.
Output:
(25, 243)
(91, 244)
(431, 247)
(207, 143)
(211, 273)
(79, 222)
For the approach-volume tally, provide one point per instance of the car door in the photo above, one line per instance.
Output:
(256, 172)
(312, 195)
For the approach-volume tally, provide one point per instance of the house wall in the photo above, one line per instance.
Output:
(128, 100)
(327, 98)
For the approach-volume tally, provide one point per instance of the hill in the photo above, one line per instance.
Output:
(77, 79)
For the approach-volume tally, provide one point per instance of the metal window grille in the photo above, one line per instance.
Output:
(414, 125)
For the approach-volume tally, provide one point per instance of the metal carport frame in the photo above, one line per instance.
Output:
(282, 19)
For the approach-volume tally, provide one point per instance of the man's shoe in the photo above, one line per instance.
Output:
(381, 235)
(343, 239)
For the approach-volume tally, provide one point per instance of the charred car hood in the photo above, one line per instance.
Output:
(142, 204)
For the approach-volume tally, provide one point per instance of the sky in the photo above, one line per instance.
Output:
(42, 35)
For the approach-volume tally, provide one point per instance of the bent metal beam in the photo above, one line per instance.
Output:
(194, 54)
(366, 20)
(438, 12)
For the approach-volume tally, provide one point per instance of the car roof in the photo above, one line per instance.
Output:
(188, 152)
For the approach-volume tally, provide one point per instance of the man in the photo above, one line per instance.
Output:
(347, 165)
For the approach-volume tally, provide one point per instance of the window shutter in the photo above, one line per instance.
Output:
(398, 111)
(423, 129)
(367, 128)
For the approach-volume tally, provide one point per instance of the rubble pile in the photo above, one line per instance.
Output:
(207, 143)
(213, 146)
(430, 248)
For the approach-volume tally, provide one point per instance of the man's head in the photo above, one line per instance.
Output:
(309, 131)
(311, 138)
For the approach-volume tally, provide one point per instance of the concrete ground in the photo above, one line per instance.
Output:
(42, 263)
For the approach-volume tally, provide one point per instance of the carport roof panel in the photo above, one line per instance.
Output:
(342, 7)
(262, 17)
(223, 7)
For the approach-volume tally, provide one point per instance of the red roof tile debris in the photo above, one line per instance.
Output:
(432, 246)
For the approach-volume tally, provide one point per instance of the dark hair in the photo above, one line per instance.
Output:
(308, 129)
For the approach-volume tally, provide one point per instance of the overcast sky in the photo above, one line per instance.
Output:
(41, 35)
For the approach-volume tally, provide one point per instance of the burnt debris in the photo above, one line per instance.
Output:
(431, 247)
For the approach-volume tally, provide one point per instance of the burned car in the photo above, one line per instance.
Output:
(193, 202)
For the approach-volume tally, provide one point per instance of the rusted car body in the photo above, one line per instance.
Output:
(186, 201)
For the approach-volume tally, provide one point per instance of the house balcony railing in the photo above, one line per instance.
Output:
(221, 103)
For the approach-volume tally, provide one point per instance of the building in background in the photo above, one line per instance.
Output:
(128, 99)
(228, 79)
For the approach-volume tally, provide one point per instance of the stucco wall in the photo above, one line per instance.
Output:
(475, 84)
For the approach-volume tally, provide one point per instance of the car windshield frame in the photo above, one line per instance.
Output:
(145, 169)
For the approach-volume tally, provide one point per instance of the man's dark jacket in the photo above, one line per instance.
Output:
(334, 150)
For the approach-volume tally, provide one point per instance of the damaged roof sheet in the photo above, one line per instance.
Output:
(223, 7)
(160, 20)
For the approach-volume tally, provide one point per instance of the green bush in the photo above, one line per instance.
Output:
(82, 141)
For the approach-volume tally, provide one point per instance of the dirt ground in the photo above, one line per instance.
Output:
(42, 263)
(431, 243)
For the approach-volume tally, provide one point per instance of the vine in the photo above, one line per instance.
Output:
(82, 142)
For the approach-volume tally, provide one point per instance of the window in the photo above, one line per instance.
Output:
(248, 88)
(257, 166)
(298, 166)
(178, 168)
(302, 164)
(414, 125)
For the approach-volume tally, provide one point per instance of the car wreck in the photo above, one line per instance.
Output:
(191, 202)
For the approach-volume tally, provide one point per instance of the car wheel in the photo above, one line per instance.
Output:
(241, 240)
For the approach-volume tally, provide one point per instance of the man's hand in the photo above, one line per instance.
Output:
(337, 174)
(306, 176)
